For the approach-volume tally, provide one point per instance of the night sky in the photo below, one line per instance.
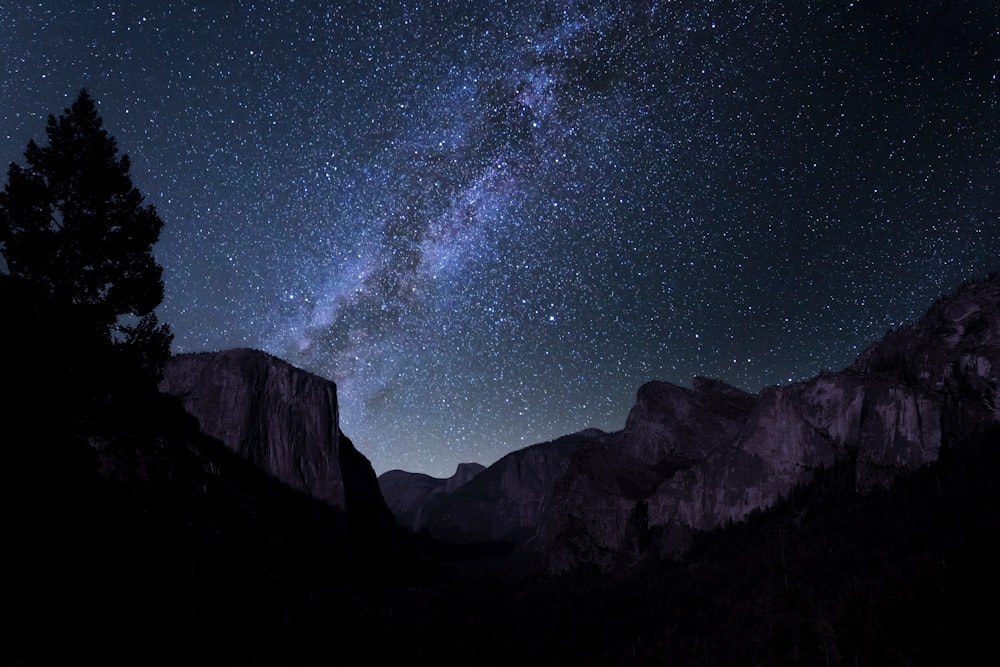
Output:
(491, 222)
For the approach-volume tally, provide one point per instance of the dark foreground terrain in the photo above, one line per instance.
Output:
(152, 560)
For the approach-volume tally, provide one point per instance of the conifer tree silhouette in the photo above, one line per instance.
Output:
(79, 282)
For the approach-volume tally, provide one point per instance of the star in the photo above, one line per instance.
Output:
(490, 223)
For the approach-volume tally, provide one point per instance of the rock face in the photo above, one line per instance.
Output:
(887, 428)
(505, 502)
(952, 354)
(463, 475)
(408, 493)
(597, 513)
(671, 423)
(691, 459)
(285, 421)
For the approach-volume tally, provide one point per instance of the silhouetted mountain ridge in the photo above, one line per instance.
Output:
(865, 534)
(407, 493)
(286, 422)
(693, 459)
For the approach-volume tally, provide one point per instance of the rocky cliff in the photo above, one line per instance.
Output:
(886, 428)
(408, 493)
(952, 354)
(691, 459)
(919, 389)
(670, 423)
(599, 512)
(505, 502)
(285, 421)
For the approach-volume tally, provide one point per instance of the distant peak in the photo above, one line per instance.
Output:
(467, 467)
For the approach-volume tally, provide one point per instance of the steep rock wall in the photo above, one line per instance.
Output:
(279, 417)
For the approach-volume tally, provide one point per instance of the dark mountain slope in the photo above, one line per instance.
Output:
(286, 422)
(408, 493)
(176, 545)
(693, 459)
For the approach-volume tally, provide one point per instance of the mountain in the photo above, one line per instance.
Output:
(893, 410)
(546, 496)
(284, 421)
(157, 534)
(675, 424)
(407, 493)
(694, 459)
(505, 503)
(160, 535)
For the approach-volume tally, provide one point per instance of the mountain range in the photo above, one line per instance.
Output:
(692, 459)
(687, 459)
(847, 519)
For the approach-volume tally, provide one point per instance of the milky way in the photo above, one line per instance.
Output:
(490, 223)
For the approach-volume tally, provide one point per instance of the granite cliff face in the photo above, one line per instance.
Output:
(886, 428)
(505, 502)
(952, 353)
(408, 493)
(691, 459)
(906, 397)
(671, 423)
(285, 421)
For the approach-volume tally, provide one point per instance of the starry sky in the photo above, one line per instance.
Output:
(491, 222)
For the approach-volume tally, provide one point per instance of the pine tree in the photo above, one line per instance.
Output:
(79, 282)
